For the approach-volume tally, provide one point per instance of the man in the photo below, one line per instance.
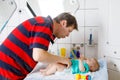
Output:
(28, 43)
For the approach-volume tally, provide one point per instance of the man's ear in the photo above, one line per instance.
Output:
(64, 23)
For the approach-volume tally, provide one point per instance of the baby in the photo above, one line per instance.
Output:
(77, 66)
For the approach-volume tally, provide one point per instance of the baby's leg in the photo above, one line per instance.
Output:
(55, 67)
(45, 69)
(60, 67)
(52, 68)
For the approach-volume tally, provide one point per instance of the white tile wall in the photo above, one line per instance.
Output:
(21, 2)
(53, 48)
(65, 40)
(82, 2)
(78, 36)
(91, 51)
(103, 23)
(91, 4)
(91, 18)
(80, 17)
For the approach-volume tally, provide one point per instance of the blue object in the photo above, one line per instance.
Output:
(74, 54)
(89, 77)
(4, 26)
(78, 54)
(90, 40)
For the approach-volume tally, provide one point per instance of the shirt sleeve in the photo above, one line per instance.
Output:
(40, 37)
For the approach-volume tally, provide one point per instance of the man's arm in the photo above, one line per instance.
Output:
(41, 55)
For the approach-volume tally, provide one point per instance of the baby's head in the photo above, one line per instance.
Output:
(93, 64)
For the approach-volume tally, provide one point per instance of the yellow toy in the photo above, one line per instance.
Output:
(82, 77)
(63, 52)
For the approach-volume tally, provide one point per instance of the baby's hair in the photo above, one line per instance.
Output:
(97, 64)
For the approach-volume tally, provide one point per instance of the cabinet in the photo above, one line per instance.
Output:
(109, 40)
(113, 75)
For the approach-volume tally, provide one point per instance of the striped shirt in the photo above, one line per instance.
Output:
(16, 51)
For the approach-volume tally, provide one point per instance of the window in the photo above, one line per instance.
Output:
(51, 7)
(7, 8)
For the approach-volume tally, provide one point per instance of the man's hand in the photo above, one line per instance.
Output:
(65, 61)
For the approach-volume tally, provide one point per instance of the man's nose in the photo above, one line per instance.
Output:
(67, 35)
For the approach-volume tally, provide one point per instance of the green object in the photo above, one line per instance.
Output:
(75, 67)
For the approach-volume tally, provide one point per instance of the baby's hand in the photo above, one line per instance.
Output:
(82, 57)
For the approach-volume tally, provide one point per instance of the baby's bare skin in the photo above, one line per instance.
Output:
(52, 68)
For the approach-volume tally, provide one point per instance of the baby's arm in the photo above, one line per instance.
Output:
(81, 66)
(82, 57)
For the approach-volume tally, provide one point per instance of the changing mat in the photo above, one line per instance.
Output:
(101, 74)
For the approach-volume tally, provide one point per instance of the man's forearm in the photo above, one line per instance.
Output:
(49, 58)
(41, 55)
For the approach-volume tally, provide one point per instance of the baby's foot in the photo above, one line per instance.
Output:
(42, 70)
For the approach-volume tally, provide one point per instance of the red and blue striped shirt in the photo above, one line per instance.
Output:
(16, 51)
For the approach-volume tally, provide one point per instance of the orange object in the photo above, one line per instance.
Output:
(77, 77)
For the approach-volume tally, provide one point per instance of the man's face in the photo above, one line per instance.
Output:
(64, 31)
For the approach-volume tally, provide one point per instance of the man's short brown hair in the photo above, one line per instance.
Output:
(71, 21)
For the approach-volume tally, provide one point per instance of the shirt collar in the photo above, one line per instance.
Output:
(51, 27)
